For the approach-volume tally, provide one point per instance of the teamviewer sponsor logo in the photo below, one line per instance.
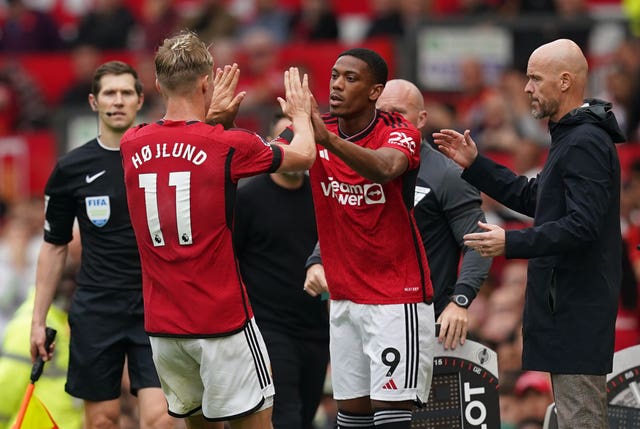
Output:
(349, 194)
(373, 194)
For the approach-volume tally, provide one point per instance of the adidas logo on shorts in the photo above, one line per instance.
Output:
(390, 385)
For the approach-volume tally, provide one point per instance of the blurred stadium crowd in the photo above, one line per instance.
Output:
(50, 48)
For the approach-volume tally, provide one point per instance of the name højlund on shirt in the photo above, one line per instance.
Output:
(168, 150)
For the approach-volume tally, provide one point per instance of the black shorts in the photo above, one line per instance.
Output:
(107, 325)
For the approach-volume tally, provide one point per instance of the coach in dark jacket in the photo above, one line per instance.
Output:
(574, 245)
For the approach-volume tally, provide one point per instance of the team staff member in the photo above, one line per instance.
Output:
(446, 207)
(574, 246)
(275, 229)
(181, 176)
(106, 314)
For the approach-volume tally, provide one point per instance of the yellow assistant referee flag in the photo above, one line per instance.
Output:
(34, 415)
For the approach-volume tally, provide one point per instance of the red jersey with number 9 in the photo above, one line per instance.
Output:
(180, 179)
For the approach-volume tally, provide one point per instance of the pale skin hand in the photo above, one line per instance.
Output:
(490, 243)
(460, 148)
(453, 326)
(316, 282)
(224, 102)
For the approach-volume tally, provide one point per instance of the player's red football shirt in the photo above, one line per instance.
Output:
(369, 242)
(181, 179)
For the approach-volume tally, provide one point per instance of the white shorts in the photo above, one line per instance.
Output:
(382, 351)
(225, 377)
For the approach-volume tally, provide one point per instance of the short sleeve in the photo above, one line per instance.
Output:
(252, 154)
(406, 140)
(59, 209)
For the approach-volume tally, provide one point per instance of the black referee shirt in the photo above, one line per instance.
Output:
(88, 184)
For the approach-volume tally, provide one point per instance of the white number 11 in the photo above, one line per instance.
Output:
(181, 181)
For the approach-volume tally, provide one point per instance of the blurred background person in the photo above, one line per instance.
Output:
(501, 330)
(534, 394)
(85, 59)
(108, 25)
(261, 78)
(494, 125)
(22, 105)
(509, 406)
(386, 19)
(314, 20)
(275, 231)
(28, 30)
(212, 20)
(473, 94)
(15, 356)
(159, 19)
(267, 15)
(20, 239)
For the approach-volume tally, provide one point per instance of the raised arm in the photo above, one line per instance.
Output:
(301, 153)
(381, 165)
(225, 102)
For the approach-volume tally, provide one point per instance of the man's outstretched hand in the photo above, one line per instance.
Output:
(460, 148)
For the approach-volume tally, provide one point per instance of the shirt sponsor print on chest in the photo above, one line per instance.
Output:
(349, 194)
(98, 210)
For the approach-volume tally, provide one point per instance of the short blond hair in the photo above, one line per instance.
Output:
(182, 59)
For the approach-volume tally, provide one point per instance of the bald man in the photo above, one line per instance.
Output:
(574, 246)
(446, 208)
